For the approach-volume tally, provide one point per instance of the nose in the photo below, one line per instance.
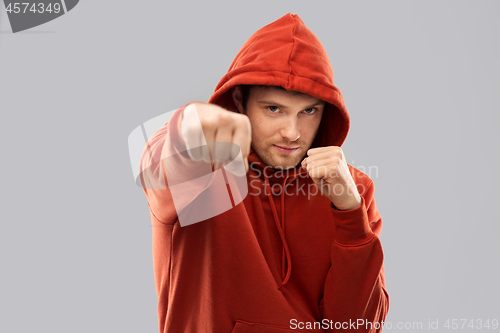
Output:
(290, 129)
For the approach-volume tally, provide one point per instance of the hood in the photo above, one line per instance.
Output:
(286, 53)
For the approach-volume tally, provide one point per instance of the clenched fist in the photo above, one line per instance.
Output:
(207, 127)
(329, 171)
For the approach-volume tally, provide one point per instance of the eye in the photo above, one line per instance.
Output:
(309, 111)
(273, 109)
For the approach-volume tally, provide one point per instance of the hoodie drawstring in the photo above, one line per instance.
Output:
(286, 258)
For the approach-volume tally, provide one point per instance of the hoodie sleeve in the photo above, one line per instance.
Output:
(354, 294)
(152, 171)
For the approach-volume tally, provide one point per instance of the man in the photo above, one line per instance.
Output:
(301, 252)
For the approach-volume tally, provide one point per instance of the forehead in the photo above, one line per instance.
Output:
(271, 93)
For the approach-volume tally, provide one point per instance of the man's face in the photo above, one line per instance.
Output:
(284, 124)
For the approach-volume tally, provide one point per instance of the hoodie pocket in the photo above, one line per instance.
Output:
(244, 327)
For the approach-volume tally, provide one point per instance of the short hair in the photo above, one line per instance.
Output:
(245, 93)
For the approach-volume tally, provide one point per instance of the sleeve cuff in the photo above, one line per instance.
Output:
(352, 226)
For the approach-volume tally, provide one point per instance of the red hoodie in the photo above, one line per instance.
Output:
(283, 259)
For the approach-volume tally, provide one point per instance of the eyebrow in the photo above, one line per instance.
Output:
(283, 106)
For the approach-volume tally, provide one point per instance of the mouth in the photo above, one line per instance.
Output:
(286, 150)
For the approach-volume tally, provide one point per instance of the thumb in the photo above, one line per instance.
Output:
(303, 164)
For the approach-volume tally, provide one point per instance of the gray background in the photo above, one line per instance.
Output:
(420, 80)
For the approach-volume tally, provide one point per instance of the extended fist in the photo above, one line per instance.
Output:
(207, 129)
(329, 171)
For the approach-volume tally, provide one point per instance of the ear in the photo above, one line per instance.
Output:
(238, 99)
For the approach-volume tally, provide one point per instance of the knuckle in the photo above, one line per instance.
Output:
(242, 121)
(208, 122)
(192, 131)
(223, 119)
(337, 150)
